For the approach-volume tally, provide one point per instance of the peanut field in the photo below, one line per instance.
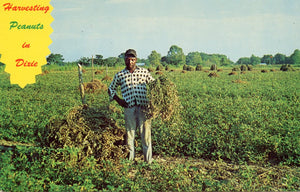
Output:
(233, 133)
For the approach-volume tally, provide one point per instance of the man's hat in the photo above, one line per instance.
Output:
(130, 53)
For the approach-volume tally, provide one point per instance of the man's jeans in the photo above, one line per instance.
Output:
(135, 118)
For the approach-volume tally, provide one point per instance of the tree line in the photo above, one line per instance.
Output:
(176, 57)
(279, 58)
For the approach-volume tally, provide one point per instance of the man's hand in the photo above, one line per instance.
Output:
(121, 102)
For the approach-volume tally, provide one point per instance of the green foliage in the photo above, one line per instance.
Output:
(2, 67)
(218, 59)
(268, 59)
(295, 57)
(175, 56)
(68, 66)
(225, 61)
(244, 60)
(98, 60)
(55, 59)
(44, 169)
(154, 58)
(280, 58)
(240, 121)
(236, 69)
(113, 61)
(193, 58)
(85, 61)
(163, 99)
(254, 60)
(150, 69)
(21, 171)
(25, 112)
(159, 68)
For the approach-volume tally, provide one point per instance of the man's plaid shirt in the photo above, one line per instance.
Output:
(133, 86)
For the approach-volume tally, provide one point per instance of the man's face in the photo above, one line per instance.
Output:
(130, 63)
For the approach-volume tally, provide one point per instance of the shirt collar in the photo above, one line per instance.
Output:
(127, 71)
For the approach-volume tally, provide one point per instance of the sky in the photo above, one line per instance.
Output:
(235, 28)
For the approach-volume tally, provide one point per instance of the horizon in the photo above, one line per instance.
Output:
(235, 29)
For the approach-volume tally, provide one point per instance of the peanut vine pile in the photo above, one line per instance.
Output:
(163, 99)
(91, 131)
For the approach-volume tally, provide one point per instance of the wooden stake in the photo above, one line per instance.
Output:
(93, 68)
(81, 87)
(106, 70)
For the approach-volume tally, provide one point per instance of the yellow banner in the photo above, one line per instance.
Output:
(24, 38)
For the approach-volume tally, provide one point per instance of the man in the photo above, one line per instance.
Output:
(133, 80)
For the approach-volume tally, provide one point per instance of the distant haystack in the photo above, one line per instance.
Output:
(98, 72)
(95, 85)
(213, 74)
(233, 73)
(107, 78)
